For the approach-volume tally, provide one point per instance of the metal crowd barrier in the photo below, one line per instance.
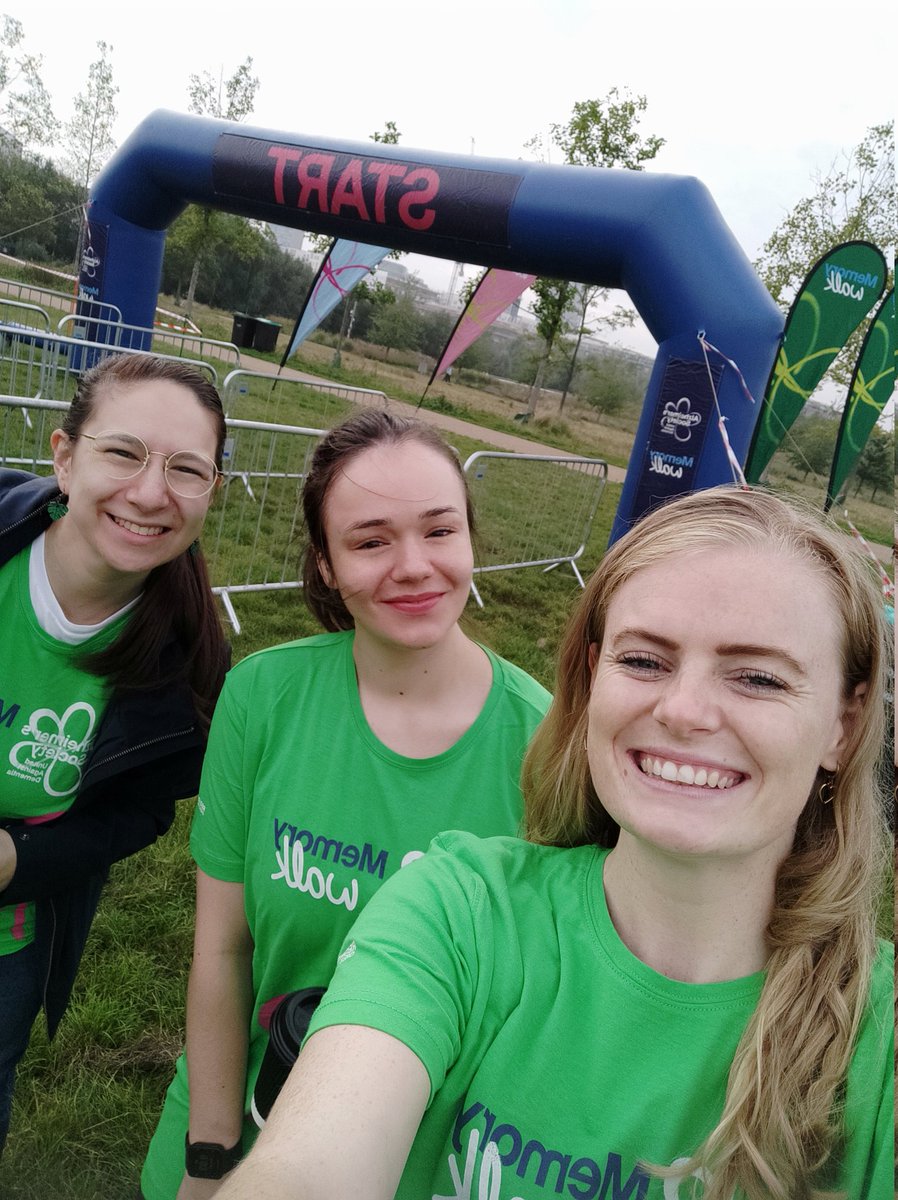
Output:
(34, 363)
(128, 337)
(102, 309)
(18, 312)
(533, 510)
(25, 428)
(252, 534)
(261, 396)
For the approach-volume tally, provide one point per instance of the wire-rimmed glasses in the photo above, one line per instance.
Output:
(188, 473)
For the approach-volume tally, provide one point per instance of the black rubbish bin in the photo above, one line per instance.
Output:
(243, 330)
(265, 337)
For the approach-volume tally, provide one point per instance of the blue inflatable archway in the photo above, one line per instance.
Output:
(660, 238)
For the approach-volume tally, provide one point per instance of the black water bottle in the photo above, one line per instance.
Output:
(287, 1028)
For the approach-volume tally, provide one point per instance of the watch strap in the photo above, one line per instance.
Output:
(210, 1160)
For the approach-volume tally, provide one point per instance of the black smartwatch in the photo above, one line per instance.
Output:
(210, 1160)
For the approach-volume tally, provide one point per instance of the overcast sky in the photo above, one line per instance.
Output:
(752, 98)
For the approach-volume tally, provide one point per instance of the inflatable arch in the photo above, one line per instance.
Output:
(658, 237)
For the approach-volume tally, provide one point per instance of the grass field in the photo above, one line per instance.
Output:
(86, 1104)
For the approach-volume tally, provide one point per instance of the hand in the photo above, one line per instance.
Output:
(199, 1189)
(8, 859)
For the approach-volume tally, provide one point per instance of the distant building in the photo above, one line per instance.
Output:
(393, 274)
(290, 240)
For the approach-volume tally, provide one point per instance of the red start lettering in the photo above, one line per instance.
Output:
(374, 191)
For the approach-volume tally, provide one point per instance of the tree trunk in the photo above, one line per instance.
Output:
(191, 289)
(344, 325)
(536, 387)
(570, 374)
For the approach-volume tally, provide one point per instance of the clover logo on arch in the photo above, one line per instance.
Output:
(678, 419)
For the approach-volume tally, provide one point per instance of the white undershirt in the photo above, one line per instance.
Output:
(47, 608)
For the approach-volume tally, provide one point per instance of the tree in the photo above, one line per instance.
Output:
(553, 298)
(230, 100)
(599, 133)
(609, 384)
(854, 199)
(390, 135)
(368, 300)
(603, 133)
(585, 296)
(810, 443)
(39, 210)
(207, 100)
(25, 110)
(396, 325)
(203, 236)
(89, 140)
(876, 464)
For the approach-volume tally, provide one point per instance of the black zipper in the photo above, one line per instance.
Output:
(165, 737)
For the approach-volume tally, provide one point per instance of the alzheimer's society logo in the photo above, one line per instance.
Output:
(678, 419)
(55, 748)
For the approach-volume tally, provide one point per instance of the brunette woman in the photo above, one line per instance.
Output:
(333, 761)
(112, 659)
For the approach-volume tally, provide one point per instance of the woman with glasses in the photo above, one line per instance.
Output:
(111, 658)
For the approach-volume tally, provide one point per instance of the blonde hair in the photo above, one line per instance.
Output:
(780, 1128)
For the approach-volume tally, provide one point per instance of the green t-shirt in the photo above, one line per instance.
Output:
(558, 1061)
(304, 806)
(50, 710)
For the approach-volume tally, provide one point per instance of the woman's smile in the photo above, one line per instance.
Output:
(675, 770)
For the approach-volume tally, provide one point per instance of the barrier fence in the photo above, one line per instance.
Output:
(47, 366)
(37, 293)
(533, 510)
(117, 334)
(265, 397)
(252, 534)
(21, 313)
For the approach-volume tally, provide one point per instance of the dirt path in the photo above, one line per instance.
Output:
(492, 437)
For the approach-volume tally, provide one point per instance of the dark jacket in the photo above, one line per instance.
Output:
(147, 754)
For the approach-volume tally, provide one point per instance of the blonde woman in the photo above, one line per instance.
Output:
(674, 988)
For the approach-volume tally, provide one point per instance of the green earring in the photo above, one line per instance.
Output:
(57, 508)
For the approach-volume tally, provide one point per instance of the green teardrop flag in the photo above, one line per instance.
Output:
(839, 291)
(871, 385)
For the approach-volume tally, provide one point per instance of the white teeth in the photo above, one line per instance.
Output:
(143, 530)
(685, 773)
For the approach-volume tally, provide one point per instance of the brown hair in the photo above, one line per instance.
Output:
(177, 599)
(368, 428)
(780, 1128)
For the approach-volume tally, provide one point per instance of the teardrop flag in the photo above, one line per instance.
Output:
(872, 383)
(839, 291)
